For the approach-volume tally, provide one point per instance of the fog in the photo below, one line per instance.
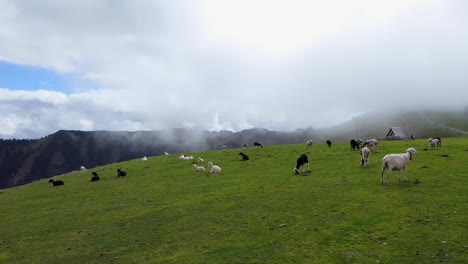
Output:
(229, 65)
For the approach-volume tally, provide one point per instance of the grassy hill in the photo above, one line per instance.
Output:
(253, 212)
(377, 124)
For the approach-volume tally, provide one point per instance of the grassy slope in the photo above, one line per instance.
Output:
(254, 212)
(376, 125)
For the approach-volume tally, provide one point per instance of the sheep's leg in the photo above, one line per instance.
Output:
(308, 167)
(404, 170)
(398, 175)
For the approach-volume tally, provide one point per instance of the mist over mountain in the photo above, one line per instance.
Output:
(23, 161)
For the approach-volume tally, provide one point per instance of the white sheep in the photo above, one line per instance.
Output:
(185, 157)
(397, 162)
(309, 143)
(198, 168)
(200, 159)
(83, 168)
(365, 152)
(165, 153)
(144, 158)
(214, 168)
(374, 143)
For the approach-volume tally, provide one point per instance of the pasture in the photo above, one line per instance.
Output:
(255, 211)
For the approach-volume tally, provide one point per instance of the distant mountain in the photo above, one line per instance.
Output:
(24, 161)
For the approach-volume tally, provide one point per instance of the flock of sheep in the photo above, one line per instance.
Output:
(390, 162)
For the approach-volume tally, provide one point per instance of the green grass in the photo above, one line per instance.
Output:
(254, 212)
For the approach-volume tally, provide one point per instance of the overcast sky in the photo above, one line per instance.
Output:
(215, 64)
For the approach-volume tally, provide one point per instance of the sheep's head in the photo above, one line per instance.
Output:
(411, 151)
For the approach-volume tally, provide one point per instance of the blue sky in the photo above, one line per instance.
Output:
(21, 77)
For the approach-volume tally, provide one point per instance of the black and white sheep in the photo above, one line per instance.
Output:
(56, 183)
(258, 144)
(329, 143)
(95, 176)
(396, 162)
(365, 152)
(120, 172)
(309, 143)
(244, 156)
(302, 161)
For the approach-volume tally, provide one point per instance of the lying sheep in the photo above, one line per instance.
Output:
(214, 168)
(365, 152)
(244, 156)
(200, 159)
(393, 162)
(56, 183)
(198, 168)
(120, 172)
(95, 177)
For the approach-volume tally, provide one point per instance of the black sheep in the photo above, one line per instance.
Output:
(121, 173)
(56, 183)
(244, 157)
(301, 162)
(258, 144)
(329, 143)
(354, 145)
(95, 177)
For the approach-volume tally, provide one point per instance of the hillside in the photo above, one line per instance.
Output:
(253, 212)
(24, 161)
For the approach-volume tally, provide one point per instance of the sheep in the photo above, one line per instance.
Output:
(301, 162)
(329, 143)
(365, 152)
(165, 153)
(244, 157)
(82, 168)
(258, 144)
(185, 157)
(120, 172)
(374, 143)
(434, 143)
(198, 168)
(354, 144)
(144, 158)
(440, 141)
(95, 177)
(200, 159)
(214, 168)
(309, 143)
(56, 183)
(397, 162)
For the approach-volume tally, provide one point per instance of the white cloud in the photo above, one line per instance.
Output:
(229, 64)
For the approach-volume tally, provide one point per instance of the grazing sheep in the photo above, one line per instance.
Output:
(354, 144)
(329, 143)
(397, 162)
(200, 159)
(82, 168)
(244, 157)
(120, 172)
(56, 183)
(214, 168)
(434, 143)
(365, 152)
(309, 143)
(144, 158)
(198, 168)
(95, 177)
(374, 143)
(440, 141)
(301, 162)
(258, 144)
(165, 153)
